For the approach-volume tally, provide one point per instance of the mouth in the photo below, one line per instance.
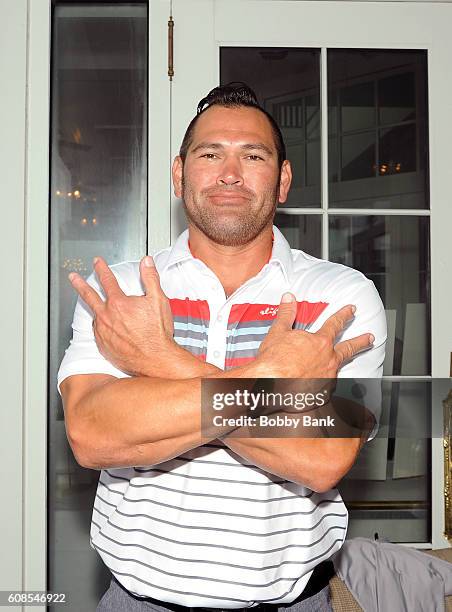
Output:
(225, 198)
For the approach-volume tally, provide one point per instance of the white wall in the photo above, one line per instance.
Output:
(13, 66)
(24, 108)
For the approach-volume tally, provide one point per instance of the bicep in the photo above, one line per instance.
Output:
(369, 318)
(74, 388)
(359, 379)
(366, 368)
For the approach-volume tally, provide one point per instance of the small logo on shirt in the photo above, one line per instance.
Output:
(270, 310)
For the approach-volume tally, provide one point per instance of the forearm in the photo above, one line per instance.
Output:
(175, 363)
(134, 421)
(139, 421)
(318, 461)
(311, 462)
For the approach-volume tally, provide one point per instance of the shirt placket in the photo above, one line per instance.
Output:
(220, 308)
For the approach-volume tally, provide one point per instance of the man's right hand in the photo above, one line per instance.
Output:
(135, 333)
(289, 353)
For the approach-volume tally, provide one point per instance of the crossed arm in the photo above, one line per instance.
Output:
(155, 415)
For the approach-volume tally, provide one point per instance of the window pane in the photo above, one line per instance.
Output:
(287, 84)
(98, 207)
(312, 117)
(312, 163)
(388, 490)
(393, 252)
(333, 111)
(302, 231)
(357, 106)
(333, 160)
(377, 118)
(358, 156)
(397, 98)
(397, 150)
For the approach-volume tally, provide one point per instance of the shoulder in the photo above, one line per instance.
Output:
(335, 285)
(325, 277)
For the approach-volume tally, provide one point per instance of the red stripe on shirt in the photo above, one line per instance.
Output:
(235, 362)
(193, 309)
(307, 312)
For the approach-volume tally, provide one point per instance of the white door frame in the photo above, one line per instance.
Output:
(13, 160)
(25, 67)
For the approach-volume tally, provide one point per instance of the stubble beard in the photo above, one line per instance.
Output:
(234, 229)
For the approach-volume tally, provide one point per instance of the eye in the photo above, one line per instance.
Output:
(209, 156)
(255, 158)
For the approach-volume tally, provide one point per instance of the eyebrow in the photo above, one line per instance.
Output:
(253, 146)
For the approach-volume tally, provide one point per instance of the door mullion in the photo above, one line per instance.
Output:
(324, 149)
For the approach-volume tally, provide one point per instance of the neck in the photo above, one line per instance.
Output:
(233, 265)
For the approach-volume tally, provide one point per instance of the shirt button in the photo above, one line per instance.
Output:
(219, 318)
(216, 354)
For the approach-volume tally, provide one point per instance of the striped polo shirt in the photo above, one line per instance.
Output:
(208, 528)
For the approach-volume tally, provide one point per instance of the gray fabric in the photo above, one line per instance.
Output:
(117, 599)
(384, 576)
(321, 602)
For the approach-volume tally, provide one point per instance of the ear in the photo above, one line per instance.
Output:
(177, 172)
(285, 181)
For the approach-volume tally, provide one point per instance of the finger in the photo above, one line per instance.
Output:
(106, 278)
(336, 323)
(349, 348)
(85, 291)
(149, 276)
(287, 311)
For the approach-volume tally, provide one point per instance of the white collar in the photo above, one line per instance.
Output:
(281, 252)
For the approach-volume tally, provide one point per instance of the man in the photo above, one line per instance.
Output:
(180, 520)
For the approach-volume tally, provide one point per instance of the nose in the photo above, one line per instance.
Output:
(230, 172)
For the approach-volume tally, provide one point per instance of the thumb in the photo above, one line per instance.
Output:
(149, 276)
(287, 312)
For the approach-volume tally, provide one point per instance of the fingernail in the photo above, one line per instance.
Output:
(95, 260)
(353, 309)
(72, 276)
(287, 298)
(371, 338)
(149, 262)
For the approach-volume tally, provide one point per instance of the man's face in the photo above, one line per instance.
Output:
(230, 182)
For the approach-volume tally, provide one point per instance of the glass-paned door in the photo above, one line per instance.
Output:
(98, 206)
(357, 119)
(375, 132)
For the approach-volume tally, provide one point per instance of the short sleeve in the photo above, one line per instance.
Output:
(82, 356)
(369, 318)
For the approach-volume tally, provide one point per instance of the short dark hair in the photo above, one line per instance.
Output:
(233, 95)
